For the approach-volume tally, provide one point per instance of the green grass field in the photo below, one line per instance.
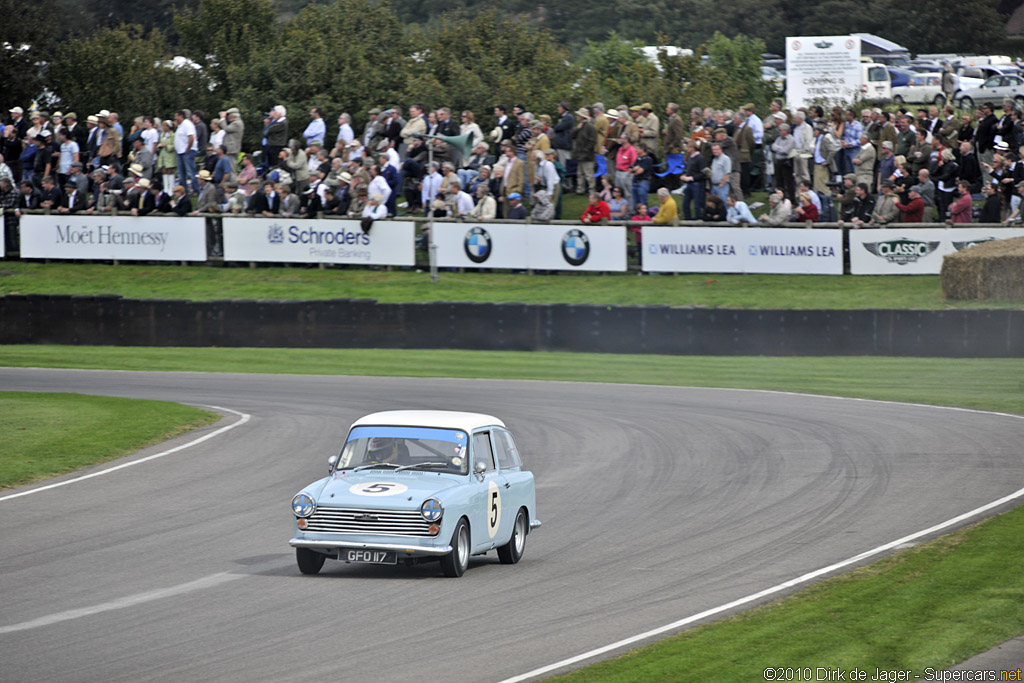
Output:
(43, 435)
(203, 283)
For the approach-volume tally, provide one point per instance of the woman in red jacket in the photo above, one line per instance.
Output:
(962, 209)
(807, 211)
(597, 210)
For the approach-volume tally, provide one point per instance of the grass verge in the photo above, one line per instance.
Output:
(43, 435)
(203, 283)
(930, 606)
(990, 384)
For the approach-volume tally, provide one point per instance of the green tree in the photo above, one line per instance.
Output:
(489, 59)
(225, 37)
(24, 44)
(617, 72)
(964, 26)
(124, 69)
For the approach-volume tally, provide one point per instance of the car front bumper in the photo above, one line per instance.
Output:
(404, 549)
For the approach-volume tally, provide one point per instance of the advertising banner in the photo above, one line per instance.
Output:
(125, 238)
(915, 251)
(300, 240)
(542, 247)
(742, 250)
(822, 68)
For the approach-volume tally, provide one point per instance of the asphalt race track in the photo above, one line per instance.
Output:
(657, 503)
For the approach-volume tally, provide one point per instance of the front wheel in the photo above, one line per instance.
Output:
(454, 564)
(511, 552)
(940, 100)
(966, 103)
(897, 99)
(309, 561)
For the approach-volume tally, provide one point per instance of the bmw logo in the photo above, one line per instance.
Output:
(575, 247)
(477, 245)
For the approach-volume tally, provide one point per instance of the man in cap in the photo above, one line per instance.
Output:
(207, 194)
(143, 202)
(74, 200)
(584, 140)
(231, 123)
(516, 210)
(142, 158)
(373, 131)
(78, 133)
(885, 210)
(92, 137)
(650, 127)
(19, 122)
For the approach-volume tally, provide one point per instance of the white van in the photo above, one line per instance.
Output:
(874, 82)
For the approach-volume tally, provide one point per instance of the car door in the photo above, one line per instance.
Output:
(487, 518)
(520, 486)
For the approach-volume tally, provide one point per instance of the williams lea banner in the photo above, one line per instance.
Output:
(299, 240)
(742, 250)
(915, 251)
(103, 238)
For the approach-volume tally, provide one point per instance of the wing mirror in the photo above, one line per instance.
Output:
(479, 467)
(332, 462)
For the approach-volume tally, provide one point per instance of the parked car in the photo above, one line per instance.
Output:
(995, 90)
(971, 77)
(416, 486)
(920, 89)
(774, 76)
(899, 76)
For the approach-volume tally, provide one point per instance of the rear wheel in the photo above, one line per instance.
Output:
(309, 561)
(454, 564)
(513, 550)
(940, 100)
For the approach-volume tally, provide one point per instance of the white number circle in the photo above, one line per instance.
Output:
(493, 508)
(378, 488)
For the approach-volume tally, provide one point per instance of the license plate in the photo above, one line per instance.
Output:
(369, 556)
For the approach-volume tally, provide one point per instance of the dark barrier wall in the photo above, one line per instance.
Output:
(364, 323)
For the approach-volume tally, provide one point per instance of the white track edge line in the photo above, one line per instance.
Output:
(786, 584)
(243, 418)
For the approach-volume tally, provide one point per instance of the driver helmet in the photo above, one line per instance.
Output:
(381, 449)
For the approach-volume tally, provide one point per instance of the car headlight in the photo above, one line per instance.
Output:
(303, 505)
(432, 510)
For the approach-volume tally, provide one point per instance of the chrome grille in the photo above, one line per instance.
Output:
(377, 522)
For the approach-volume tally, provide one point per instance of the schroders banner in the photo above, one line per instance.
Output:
(543, 247)
(915, 251)
(124, 238)
(742, 250)
(299, 240)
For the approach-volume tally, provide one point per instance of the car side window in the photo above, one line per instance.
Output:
(508, 454)
(482, 449)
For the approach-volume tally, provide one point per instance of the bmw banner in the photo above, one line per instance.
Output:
(520, 245)
(300, 240)
(741, 250)
(123, 238)
(915, 251)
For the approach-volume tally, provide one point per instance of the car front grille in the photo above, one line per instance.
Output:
(376, 522)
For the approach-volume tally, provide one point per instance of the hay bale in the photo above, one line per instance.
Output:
(990, 270)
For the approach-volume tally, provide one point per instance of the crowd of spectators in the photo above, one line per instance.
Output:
(868, 168)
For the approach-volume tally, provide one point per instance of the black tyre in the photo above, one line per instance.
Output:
(454, 564)
(966, 103)
(897, 99)
(940, 100)
(511, 552)
(309, 561)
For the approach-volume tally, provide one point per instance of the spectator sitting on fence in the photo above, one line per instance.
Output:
(618, 206)
(714, 209)
(1014, 218)
(780, 209)
(516, 211)
(738, 212)
(991, 208)
(806, 211)
(486, 207)
(669, 211)
(597, 210)
(181, 204)
(962, 210)
(885, 210)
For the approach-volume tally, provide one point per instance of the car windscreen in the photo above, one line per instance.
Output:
(424, 448)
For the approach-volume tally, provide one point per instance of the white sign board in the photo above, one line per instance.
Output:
(742, 250)
(915, 251)
(124, 238)
(300, 240)
(544, 247)
(822, 68)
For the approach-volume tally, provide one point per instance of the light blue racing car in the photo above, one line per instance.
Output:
(415, 486)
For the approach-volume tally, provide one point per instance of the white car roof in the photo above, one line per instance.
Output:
(445, 419)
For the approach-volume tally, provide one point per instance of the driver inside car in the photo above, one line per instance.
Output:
(383, 450)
